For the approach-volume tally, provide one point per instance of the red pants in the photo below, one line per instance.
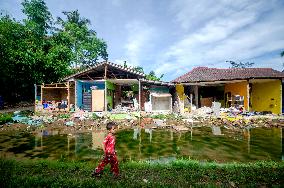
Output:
(112, 159)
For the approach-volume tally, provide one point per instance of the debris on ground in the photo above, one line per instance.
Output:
(228, 118)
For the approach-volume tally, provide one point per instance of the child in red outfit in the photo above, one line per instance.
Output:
(109, 152)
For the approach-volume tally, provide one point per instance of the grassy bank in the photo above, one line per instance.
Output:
(181, 173)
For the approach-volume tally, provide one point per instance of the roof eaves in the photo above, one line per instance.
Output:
(102, 63)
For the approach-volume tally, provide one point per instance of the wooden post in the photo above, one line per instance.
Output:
(105, 76)
(41, 94)
(105, 95)
(248, 96)
(35, 95)
(191, 101)
(281, 90)
(139, 95)
(196, 95)
(171, 105)
(75, 101)
(68, 96)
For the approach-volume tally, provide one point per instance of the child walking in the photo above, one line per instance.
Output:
(109, 152)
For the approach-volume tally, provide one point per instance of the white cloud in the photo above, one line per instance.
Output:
(138, 44)
(249, 30)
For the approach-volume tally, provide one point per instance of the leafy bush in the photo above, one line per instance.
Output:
(5, 118)
(95, 116)
(167, 116)
(64, 116)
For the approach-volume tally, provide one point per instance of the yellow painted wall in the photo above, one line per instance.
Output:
(266, 96)
(238, 88)
(180, 91)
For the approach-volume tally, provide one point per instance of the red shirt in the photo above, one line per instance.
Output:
(109, 144)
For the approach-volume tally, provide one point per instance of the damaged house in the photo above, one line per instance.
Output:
(249, 89)
(105, 87)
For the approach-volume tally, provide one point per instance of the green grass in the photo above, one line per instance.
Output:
(180, 173)
(5, 118)
(167, 116)
(64, 116)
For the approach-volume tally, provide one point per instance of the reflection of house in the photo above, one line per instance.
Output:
(253, 89)
(103, 87)
(97, 139)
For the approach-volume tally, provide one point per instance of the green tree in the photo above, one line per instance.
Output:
(240, 64)
(282, 54)
(34, 51)
(39, 19)
(87, 48)
(17, 63)
(152, 76)
(139, 69)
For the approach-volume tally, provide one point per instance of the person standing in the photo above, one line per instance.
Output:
(109, 152)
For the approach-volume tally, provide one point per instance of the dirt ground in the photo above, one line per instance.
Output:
(13, 109)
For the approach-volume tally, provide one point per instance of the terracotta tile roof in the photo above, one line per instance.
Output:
(203, 74)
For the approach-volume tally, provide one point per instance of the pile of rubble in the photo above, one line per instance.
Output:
(205, 116)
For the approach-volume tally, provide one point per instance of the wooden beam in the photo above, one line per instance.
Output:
(75, 101)
(196, 96)
(139, 95)
(68, 97)
(35, 86)
(89, 77)
(105, 76)
(105, 95)
(55, 87)
(248, 96)
(41, 94)
(281, 99)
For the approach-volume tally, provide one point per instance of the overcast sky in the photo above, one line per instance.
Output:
(173, 36)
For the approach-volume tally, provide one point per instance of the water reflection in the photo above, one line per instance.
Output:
(149, 131)
(216, 130)
(282, 143)
(246, 134)
(136, 133)
(201, 143)
(97, 139)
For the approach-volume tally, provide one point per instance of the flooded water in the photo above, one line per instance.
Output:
(201, 143)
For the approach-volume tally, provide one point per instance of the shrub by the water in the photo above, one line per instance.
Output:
(5, 118)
